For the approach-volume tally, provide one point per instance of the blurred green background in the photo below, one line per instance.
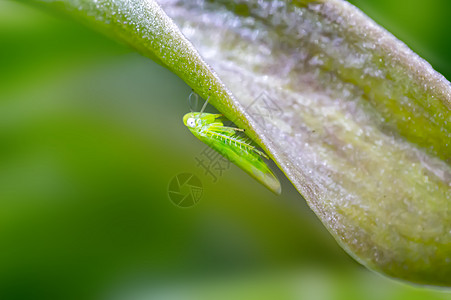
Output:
(90, 137)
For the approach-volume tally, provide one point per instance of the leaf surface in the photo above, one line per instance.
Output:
(359, 123)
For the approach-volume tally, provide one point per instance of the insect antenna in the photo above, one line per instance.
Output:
(204, 106)
(192, 106)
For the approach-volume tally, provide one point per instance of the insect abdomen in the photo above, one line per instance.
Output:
(247, 159)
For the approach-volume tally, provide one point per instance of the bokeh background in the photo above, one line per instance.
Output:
(90, 137)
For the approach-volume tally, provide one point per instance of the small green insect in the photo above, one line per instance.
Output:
(210, 129)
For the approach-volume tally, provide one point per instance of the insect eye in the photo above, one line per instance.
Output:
(191, 122)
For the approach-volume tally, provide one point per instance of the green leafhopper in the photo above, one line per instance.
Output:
(210, 129)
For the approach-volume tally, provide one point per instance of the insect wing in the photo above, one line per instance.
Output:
(250, 161)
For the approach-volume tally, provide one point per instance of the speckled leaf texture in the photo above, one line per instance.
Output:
(359, 123)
